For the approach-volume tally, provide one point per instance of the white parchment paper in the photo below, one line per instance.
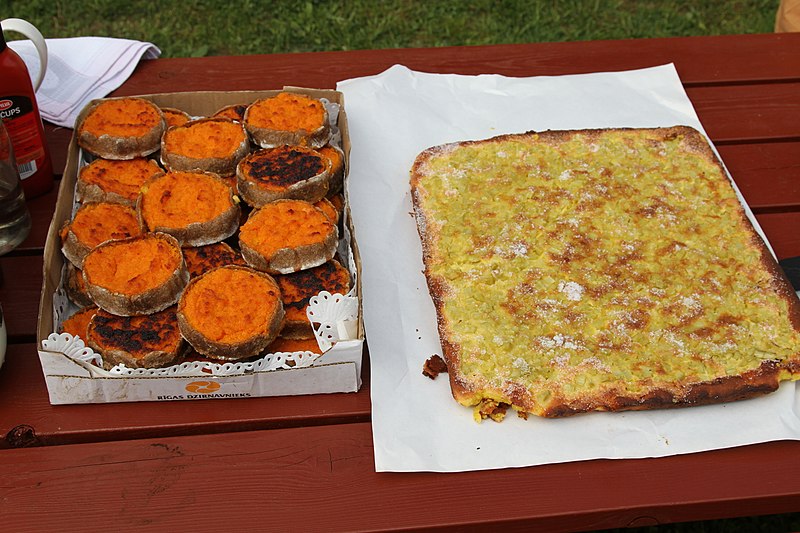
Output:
(417, 426)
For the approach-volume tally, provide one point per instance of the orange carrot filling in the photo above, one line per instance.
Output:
(328, 208)
(338, 202)
(287, 112)
(121, 177)
(76, 286)
(285, 224)
(175, 117)
(282, 344)
(77, 279)
(178, 199)
(78, 324)
(133, 266)
(122, 118)
(98, 222)
(205, 138)
(334, 155)
(231, 305)
(233, 112)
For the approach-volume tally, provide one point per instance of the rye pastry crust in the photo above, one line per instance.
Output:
(197, 208)
(205, 145)
(288, 119)
(75, 287)
(330, 210)
(121, 128)
(136, 276)
(286, 236)
(219, 322)
(338, 170)
(599, 270)
(286, 345)
(233, 112)
(93, 224)
(175, 117)
(77, 324)
(285, 172)
(149, 341)
(107, 180)
(201, 259)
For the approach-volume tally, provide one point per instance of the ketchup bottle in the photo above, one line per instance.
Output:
(20, 114)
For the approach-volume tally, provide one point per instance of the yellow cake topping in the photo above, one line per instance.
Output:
(583, 270)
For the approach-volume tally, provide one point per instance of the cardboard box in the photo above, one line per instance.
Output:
(73, 374)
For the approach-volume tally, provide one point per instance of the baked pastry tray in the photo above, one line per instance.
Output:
(74, 373)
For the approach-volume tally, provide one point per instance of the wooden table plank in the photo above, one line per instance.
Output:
(41, 209)
(28, 419)
(746, 113)
(19, 294)
(782, 232)
(720, 59)
(322, 479)
(736, 113)
(58, 139)
(767, 174)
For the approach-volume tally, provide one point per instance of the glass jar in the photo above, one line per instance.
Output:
(3, 337)
(15, 220)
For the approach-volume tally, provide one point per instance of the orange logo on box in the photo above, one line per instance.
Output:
(203, 387)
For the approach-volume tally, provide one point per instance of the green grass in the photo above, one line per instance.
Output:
(187, 28)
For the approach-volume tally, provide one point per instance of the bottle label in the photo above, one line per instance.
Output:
(23, 128)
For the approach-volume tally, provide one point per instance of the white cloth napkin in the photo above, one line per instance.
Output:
(80, 69)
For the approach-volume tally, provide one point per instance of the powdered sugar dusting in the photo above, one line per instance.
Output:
(573, 291)
(655, 291)
(521, 364)
(559, 341)
(560, 360)
(511, 250)
(519, 249)
(596, 363)
(691, 302)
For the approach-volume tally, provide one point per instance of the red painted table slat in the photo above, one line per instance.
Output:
(58, 139)
(322, 479)
(782, 232)
(41, 209)
(741, 113)
(19, 293)
(708, 61)
(767, 174)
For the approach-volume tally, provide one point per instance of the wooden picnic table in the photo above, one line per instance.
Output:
(306, 463)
